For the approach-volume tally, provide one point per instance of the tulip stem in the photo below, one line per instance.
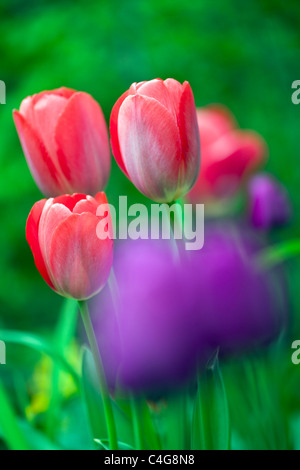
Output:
(136, 417)
(110, 422)
(175, 217)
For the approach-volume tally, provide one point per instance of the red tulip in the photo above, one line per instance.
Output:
(65, 140)
(155, 138)
(228, 154)
(61, 233)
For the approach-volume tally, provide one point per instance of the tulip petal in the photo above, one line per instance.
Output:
(46, 113)
(65, 92)
(113, 129)
(38, 160)
(26, 109)
(232, 157)
(32, 237)
(189, 131)
(79, 260)
(175, 90)
(150, 146)
(134, 87)
(51, 216)
(83, 164)
(90, 204)
(28, 104)
(101, 198)
(70, 201)
(239, 150)
(156, 89)
(214, 121)
(86, 205)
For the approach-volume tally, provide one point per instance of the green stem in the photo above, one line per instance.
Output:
(176, 421)
(110, 422)
(211, 425)
(176, 216)
(137, 428)
(200, 428)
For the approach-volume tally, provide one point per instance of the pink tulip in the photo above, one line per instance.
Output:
(61, 233)
(65, 141)
(228, 155)
(155, 138)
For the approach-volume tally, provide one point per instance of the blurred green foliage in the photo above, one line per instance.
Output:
(243, 53)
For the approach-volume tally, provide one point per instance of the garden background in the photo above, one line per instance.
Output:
(242, 53)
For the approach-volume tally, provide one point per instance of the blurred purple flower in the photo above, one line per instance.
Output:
(172, 316)
(153, 341)
(269, 203)
(243, 306)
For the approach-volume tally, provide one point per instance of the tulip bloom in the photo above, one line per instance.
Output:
(269, 203)
(61, 233)
(150, 342)
(155, 138)
(240, 305)
(228, 154)
(65, 141)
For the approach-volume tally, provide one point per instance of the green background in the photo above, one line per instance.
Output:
(242, 53)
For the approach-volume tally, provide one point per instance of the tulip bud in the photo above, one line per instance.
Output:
(269, 203)
(61, 233)
(65, 141)
(228, 155)
(155, 138)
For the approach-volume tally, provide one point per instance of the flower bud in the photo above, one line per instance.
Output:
(269, 203)
(65, 141)
(228, 155)
(155, 138)
(61, 233)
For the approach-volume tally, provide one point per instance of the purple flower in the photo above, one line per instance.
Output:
(269, 203)
(242, 305)
(171, 316)
(152, 341)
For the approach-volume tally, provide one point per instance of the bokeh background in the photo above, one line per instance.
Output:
(242, 53)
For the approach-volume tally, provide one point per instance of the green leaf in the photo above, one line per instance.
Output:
(145, 434)
(64, 333)
(174, 422)
(40, 345)
(95, 408)
(211, 427)
(75, 433)
(146, 419)
(274, 255)
(12, 433)
(36, 439)
(150, 433)
(92, 396)
(104, 445)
